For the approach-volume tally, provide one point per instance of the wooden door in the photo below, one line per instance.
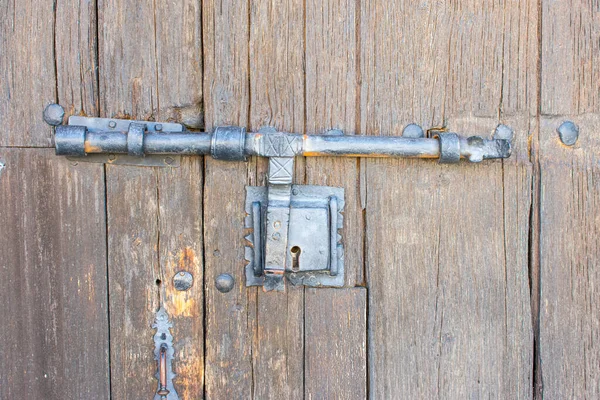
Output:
(462, 281)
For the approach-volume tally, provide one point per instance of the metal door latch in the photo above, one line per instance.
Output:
(163, 354)
(294, 230)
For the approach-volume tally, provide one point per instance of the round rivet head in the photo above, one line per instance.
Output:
(224, 283)
(112, 124)
(183, 280)
(568, 133)
(503, 132)
(54, 114)
(413, 131)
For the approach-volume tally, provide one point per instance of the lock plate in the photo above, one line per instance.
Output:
(314, 252)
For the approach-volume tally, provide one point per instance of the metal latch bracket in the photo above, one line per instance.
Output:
(123, 125)
(293, 232)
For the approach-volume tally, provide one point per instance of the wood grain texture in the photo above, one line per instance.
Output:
(154, 215)
(277, 100)
(570, 57)
(27, 72)
(179, 192)
(48, 55)
(331, 103)
(447, 270)
(570, 253)
(76, 45)
(336, 343)
(53, 287)
(568, 243)
(229, 325)
(133, 261)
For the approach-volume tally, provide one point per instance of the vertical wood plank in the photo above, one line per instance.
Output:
(570, 57)
(154, 215)
(331, 103)
(447, 260)
(277, 100)
(228, 373)
(53, 290)
(133, 276)
(76, 45)
(570, 253)
(48, 55)
(569, 245)
(27, 71)
(336, 343)
(335, 320)
(181, 250)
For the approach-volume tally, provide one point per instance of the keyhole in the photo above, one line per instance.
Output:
(295, 258)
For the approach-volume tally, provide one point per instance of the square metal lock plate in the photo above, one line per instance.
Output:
(314, 255)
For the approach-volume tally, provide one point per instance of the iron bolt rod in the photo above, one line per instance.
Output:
(448, 147)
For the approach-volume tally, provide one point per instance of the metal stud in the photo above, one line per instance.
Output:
(54, 114)
(413, 131)
(568, 133)
(503, 132)
(224, 283)
(183, 280)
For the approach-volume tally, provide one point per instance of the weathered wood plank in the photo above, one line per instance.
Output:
(277, 100)
(228, 372)
(27, 72)
(53, 290)
(336, 343)
(569, 255)
(568, 243)
(76, 61)
(570, 57)
(331, 103)
(132, 198)
(335, 365)
(154, 215)
(181, 250)
(48, 55)
(446, 269)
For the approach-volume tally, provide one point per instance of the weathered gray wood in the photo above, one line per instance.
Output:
(27, 71)
(228, 372)
(568, 242)
(447, 245)
(335, 337)
(154, 215)
(53, 286)
(570, 58)
(336, 343)
(75, 57)
(277, 100)
(48, 54)
(154, 232)
(181, 249)
(132, 198)
(332, 103)
(569, 256)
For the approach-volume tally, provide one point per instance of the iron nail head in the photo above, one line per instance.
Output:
(224, 283)
(568, 133)
(183, 280)
(54, 114)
